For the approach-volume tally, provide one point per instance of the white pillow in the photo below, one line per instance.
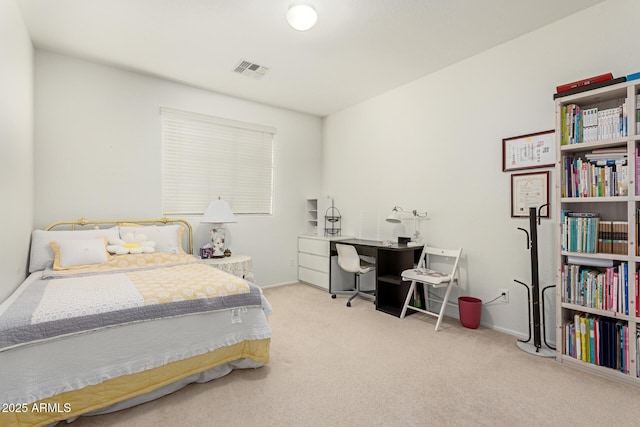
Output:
(168, 238)
(42, 253)
(79, 253)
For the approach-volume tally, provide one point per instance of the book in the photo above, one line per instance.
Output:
(578, 337)
(589, 87)
(633, 76)
(584, 82)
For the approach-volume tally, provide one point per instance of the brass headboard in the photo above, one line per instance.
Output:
(82, 222)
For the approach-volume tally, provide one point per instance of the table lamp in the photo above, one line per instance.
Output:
(218, 213)
(395, 217)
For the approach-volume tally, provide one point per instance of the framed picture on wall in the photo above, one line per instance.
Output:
(529, 190)
(535, 150)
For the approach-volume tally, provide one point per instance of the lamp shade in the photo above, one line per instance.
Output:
(394, 217)
(302, 17)
(218, 212)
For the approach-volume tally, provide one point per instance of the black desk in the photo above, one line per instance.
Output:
(391, 261)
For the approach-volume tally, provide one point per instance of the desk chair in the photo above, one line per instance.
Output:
(349, 261)
(436, 279)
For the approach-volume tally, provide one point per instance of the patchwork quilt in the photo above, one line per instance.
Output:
(126, 289)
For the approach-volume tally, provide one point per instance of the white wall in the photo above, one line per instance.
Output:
(98, 155)
(16, 146)
(435, 145)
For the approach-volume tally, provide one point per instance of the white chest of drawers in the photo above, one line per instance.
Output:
(314, 259)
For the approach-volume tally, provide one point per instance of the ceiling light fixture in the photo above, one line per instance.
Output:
(302, 17)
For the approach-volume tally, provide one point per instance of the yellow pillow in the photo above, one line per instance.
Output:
(79, 253)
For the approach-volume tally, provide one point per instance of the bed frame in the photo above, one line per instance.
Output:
(101, 223)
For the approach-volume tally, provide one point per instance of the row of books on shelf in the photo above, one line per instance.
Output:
(592, 124)
(601, 173)
(599, 288)
(585, 232)
(598, 340)
(579, 231)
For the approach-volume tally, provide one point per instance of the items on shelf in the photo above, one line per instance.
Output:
(598, 173)
(579, 124)
(584, 85)
(597, 340)
(599, 288)
(584, 82)
(579, 231)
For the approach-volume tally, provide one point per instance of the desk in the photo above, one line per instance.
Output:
(238, 265)
(391, 261)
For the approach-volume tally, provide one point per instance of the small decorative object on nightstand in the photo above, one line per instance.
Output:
(227, 252)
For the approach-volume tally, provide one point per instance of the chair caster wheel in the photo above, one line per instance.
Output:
(333, 296)
(348, 304)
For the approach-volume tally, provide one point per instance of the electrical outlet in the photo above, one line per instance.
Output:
(504, 296)
(292, 262)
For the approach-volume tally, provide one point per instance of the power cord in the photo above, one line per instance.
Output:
(496, 298)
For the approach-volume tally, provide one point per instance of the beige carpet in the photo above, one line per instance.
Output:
(337, 366)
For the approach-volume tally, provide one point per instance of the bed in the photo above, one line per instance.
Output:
(118, 313)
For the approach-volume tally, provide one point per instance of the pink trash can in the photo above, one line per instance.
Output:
(470, 310)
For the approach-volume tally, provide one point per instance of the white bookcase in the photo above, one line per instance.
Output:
(585, 300)
(315, 210)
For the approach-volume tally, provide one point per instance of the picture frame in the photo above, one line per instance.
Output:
(534, 150)
(529, 190)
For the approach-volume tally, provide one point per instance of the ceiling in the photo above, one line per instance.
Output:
(358, 49)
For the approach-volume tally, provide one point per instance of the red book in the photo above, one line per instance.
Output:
(584, 82)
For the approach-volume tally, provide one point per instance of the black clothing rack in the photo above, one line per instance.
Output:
(534, 296)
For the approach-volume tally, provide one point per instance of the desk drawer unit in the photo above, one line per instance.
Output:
(313, 246)
(313, 261)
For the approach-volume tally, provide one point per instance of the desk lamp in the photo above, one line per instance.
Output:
(218, 213)
(396, 218)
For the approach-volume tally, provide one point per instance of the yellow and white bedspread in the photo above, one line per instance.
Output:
(65, 335)
(145, 287)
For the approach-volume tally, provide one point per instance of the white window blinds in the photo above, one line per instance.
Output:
(206, 157)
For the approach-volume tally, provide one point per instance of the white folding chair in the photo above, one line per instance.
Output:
(428, 277)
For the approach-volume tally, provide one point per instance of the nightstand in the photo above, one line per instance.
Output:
(238, 265)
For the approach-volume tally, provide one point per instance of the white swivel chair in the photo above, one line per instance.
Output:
(350, 261)
(436, 279)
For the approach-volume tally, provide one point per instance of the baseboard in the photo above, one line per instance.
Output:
(277, 285)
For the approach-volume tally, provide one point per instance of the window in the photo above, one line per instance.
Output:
(206, 157)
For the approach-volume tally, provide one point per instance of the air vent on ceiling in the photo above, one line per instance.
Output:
(250, 69)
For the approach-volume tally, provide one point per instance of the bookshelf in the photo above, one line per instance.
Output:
(315, 210)
(596, 203)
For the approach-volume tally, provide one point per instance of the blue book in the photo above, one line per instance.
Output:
(633, 76)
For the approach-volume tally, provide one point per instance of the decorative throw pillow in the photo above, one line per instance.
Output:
(78, 253)
(41, 252)
(131, 244)
(168, 238)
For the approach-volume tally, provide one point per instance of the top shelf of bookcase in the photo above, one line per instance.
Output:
(599, 95)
